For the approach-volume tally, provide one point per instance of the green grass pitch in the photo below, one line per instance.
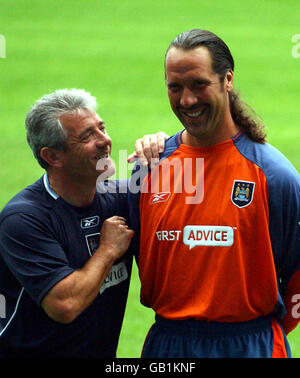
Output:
(115, 50)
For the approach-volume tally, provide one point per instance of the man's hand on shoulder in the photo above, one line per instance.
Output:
(148, 147)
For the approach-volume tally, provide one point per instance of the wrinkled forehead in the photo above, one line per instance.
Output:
(180, 61)
(78, 120)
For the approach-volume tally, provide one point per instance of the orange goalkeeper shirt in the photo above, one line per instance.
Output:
(218, 232)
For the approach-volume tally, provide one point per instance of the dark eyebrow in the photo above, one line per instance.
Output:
(172, 84)
(202, 81)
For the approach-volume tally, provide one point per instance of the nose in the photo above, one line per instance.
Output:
(188, 98)
(102, 139)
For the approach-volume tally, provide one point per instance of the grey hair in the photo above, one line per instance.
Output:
(43, 126)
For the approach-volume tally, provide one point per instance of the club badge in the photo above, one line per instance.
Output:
(92, 242)
(242, 193)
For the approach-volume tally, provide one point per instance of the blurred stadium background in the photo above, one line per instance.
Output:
(115, 50)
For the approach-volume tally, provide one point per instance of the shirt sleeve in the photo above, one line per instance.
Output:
(289, 271)
(292, 304)
(32, 254)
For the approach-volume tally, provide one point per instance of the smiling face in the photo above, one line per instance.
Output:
(198, 97)
(87, 144)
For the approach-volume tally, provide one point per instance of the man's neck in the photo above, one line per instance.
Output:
(75, 192)
(192, 141)
(221, 135)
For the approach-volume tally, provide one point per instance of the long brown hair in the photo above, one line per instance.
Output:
(222, 61)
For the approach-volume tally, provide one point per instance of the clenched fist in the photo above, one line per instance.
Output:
(115, 236)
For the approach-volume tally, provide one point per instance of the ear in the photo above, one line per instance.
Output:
(228, 82)
(51, 156)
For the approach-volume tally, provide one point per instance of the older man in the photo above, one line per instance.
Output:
(64, 269)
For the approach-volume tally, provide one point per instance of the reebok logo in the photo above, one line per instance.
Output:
(159, 197)
(89, 222)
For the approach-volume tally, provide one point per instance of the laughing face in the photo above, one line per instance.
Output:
(88, 146)
(197, 96)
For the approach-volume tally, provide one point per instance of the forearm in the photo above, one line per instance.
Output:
(67, 299)
(76, 292)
